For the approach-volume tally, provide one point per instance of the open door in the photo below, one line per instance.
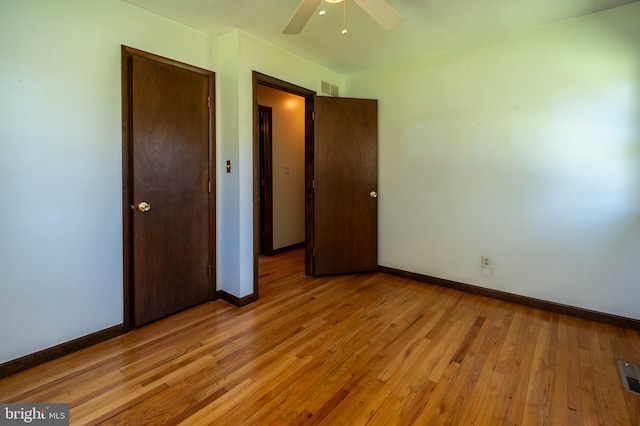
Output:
(344, 187)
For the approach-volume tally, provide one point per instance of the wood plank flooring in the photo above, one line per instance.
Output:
(353, 350)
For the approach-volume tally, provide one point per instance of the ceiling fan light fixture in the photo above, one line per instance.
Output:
(379, 10)
(344, 18)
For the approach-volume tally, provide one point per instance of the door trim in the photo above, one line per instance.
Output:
(308, 95)
(266, 201)
(127, 54)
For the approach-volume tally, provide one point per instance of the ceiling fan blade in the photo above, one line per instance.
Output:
(302, 15)
(381, 12)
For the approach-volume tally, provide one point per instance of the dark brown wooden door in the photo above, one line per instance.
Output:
(170, 162)
(345, 174)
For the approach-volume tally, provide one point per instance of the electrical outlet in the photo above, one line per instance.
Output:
(486, 262)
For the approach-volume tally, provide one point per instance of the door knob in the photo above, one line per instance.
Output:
(144, 207)
(373, 194)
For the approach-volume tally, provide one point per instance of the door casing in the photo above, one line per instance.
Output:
(266, 179)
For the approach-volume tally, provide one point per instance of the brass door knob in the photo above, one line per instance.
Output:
(373, 194)
(144, 207)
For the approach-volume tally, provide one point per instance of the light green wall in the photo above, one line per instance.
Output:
(60, 161)
(525, 149)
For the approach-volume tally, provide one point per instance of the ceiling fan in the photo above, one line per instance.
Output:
(379, 10)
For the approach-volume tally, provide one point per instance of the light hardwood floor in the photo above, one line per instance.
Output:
(352, 350)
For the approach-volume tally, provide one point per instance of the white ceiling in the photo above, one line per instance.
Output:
(429, 26)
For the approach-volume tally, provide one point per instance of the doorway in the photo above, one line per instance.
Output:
(341, 163)
(304, 122)
(282, 167)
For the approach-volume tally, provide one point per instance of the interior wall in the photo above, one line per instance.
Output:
(240, 54)
(288, 125)
(60, 162)
(525, 149)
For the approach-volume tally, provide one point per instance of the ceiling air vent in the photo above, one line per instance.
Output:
(329, 89)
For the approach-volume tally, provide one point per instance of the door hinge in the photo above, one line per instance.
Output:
(313, 251)
(313, 115)
(210, 270)
(208, 101)
(313, 184)
(209, 186)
